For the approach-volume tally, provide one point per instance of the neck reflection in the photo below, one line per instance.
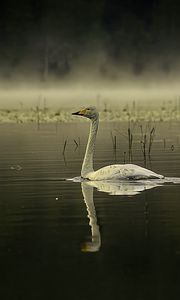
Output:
(95, 243)
(120, 188)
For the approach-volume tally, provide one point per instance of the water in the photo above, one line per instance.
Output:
(67, 240)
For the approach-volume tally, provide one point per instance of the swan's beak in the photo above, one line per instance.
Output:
(75, 113)
(81, 112)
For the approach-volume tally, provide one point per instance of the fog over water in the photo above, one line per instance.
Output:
(79, 52)
(84, 88)
(74, 92)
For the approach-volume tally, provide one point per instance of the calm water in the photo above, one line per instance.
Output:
(67, 240)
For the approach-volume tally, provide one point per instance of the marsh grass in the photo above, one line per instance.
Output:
(76, 144)
(147, 139)
(38, 117)
(130, 134)
(143, 145)
(64, 147)
(151, 139)
(130, 143)
(135, 111)
(114, 145)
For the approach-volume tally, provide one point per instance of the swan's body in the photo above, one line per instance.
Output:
(121, 172)
(111, 172)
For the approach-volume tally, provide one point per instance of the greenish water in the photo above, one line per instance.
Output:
(67, 240)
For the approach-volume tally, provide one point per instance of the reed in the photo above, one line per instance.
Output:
(64, 147)
(143, 145)
(114, 144)
(124, 157)
(147, 140)
(130, 143)
(114, 141)
(151, 139)
(76, 143)
(38, 116)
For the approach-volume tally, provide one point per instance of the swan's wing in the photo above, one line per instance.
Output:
(121, 172)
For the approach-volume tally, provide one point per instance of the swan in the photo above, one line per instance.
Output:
(111, 172)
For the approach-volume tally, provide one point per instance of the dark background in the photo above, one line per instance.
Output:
(54, 38)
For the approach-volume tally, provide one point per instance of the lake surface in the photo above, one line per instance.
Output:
(68, 240)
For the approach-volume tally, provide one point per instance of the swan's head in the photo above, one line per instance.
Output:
(89, 112)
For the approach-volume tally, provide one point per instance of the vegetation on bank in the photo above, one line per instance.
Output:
(130, 112)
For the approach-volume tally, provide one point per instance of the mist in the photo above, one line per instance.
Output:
(78, 53)
(85, 85)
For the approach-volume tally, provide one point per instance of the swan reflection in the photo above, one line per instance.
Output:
(95, 243)
(112, 188)
(121, 188)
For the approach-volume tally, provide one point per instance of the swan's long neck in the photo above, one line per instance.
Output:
(87, 165)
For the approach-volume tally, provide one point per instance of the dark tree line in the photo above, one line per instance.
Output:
(47, 38)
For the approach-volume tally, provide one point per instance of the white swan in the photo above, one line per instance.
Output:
(112, 172)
